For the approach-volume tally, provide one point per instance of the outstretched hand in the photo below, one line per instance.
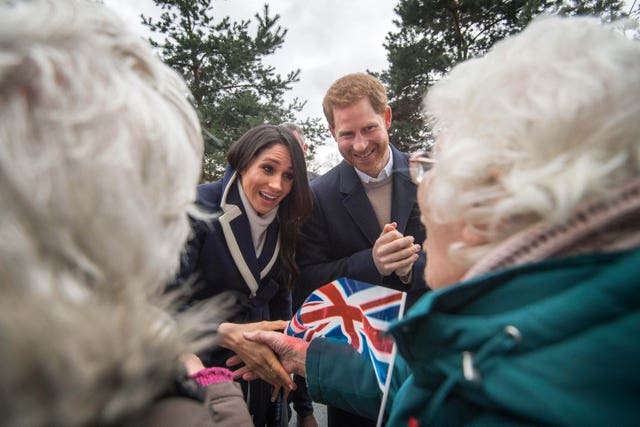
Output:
(192, 363)
(258, 358)
(291, 351)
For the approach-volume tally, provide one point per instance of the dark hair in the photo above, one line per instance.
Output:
(296, 207)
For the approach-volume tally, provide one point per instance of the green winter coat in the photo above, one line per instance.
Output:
(555, 342)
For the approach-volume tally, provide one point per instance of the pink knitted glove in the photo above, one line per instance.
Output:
(212, 375)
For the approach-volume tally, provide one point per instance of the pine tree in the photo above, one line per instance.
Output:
(222, 62)
(434, 35)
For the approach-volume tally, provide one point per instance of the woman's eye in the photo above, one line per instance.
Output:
(288, 176)
(267, 169)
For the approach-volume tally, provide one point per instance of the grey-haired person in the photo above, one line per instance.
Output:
(100, 154)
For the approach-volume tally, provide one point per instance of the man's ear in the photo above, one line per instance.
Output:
(333, 132)
(471, 236)
(388, 115)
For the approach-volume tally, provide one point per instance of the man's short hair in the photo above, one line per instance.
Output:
(350, 89)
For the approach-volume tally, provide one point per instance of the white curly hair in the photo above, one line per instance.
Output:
(547, 120)
(100, 154)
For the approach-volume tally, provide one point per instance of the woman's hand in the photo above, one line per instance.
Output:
(258, 358)
(291, 351)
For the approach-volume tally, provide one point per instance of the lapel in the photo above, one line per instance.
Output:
(237, 234)
(404, 190)
(356, 202)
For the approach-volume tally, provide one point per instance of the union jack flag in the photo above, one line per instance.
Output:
(354, 312)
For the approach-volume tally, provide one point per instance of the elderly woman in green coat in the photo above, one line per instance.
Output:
(531, 201)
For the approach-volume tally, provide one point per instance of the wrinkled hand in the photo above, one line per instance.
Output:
(291, 351)
(393, 252)
(258, 358)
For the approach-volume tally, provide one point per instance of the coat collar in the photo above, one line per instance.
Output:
(573, 294)
(357, 203)
(237, 233)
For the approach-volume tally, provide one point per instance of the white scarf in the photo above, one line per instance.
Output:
(257, 222)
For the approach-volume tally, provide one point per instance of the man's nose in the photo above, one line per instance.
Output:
(360, 143)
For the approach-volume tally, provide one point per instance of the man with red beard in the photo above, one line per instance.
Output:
(365, 223)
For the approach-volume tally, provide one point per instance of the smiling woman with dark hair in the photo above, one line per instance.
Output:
(248, 249)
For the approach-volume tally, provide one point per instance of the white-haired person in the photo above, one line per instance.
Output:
(100, 154)
(531, 203)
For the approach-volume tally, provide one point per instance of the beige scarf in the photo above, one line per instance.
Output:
(602, 226)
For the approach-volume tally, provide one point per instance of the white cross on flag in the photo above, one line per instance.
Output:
(354, 312)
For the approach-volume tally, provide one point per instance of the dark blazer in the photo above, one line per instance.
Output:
(338, 239)
(220, 258)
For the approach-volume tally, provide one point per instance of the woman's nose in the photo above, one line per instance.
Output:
(276, 183)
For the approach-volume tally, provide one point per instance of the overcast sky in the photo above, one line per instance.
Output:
(325, 39)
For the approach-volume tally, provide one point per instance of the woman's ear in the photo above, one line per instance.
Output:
(472, 237)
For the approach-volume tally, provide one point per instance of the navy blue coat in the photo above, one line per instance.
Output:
(221, 258)
(338, 239)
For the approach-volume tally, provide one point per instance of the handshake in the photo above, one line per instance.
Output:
(266, 352)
